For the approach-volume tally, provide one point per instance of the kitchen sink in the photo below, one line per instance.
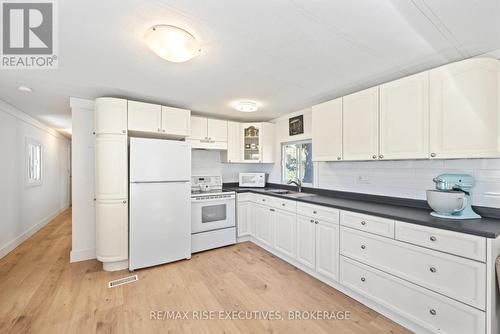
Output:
(288, 193)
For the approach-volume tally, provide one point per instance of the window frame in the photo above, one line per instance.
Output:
(283, 165)
(32, 182)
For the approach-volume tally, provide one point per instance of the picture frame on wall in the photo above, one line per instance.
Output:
(296, 125)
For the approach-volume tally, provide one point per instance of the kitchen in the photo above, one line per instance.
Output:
(369, 205)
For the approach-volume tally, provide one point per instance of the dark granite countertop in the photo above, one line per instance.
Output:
(484, 227)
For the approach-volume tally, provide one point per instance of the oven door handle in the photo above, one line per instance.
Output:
(205, 200)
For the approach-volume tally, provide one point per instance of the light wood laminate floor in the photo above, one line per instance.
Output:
(41, 292)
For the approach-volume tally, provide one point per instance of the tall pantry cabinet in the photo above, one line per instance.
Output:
(111, 182)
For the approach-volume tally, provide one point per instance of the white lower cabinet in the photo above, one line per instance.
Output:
(327, 249)
(264, 221)
(112, 230)
(245, 210)
(305, 241)
(285, 231)
(430, 310)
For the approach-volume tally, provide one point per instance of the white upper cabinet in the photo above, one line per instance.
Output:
(327, 131)
(404, 118)
(217, 130)
(110, 116)
(175, 121)
(144, 117)
(111, 167)
(198, 128)
(360, 125)
(257, 142)
(464, 109)
(233, 153)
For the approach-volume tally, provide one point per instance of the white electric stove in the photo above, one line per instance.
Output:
(213, 214)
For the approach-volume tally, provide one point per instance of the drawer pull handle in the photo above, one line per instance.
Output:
(363, 223)
(363, 279)
(272, 210)
(432, 269)
(432, 311)
(433, 238)
(363, 247)
(315, 212)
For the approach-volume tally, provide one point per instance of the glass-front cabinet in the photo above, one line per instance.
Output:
(252, 142)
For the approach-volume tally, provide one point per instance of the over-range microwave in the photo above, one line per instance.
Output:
(253, 180)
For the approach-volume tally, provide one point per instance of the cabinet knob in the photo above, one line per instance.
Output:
(432, 269)
(315, 212)
(164, 130)
(124, 202)
(263, 200)
(282, 204)
(381, 156)
(433, 155)
(339, 158)
(363, 247)
(312, 220)
(363, 279)
(433, 238)
(316, 222)
(272, 210)
(93, 132)
(374, 156)
(432, 311)
(363, 223)
(124, 131)
(159, 130)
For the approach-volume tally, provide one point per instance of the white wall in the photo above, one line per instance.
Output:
(82, 157)
(25, 209)
(409, 178)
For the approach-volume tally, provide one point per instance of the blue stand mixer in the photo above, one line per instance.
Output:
(452, 198)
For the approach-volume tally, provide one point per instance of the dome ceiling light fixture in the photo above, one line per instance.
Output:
(246, 106)
(172, 43)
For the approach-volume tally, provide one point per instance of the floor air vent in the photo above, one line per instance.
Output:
(122, 281)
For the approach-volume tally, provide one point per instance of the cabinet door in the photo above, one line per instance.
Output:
(144, 117)
(110, 116)
(251, 142)
(233, 142)
(360, 125)
(199, 128)
(175, 121)
(327, 249)
(305, 241)
(404, 118)
(111, 230)
(111, 176)
(244, 218)
(464, 109)
(327, 131)
(264, 219)
(285, 232)
(217, 130)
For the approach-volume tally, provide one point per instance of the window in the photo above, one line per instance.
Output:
(297, 162)
(33, 162)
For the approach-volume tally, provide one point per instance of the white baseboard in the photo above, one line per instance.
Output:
(11, 245)
(77, 255)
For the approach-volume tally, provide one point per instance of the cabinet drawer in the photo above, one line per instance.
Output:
(470, 246)
(264, 200)
(245, 197)
(426, 308)
(376, 225)
(285, 204)
(452, 276)
(318, 212)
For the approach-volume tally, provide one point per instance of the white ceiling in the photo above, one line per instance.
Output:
(286, 54)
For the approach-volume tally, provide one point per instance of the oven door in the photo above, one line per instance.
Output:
(212, 214)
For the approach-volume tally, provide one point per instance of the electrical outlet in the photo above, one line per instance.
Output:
(364, 179)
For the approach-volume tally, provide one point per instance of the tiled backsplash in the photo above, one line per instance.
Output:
(410, 178)
(206, 162)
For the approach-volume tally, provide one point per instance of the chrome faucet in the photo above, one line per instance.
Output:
(297, 182)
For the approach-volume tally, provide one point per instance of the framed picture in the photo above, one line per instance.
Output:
(296, 125)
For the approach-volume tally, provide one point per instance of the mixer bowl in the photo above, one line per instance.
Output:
(446, 202)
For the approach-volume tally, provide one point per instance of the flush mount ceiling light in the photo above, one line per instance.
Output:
(246, 106)
(25, 89)
(172, 43)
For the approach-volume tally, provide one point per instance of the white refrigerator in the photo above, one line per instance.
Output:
(160, 202)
